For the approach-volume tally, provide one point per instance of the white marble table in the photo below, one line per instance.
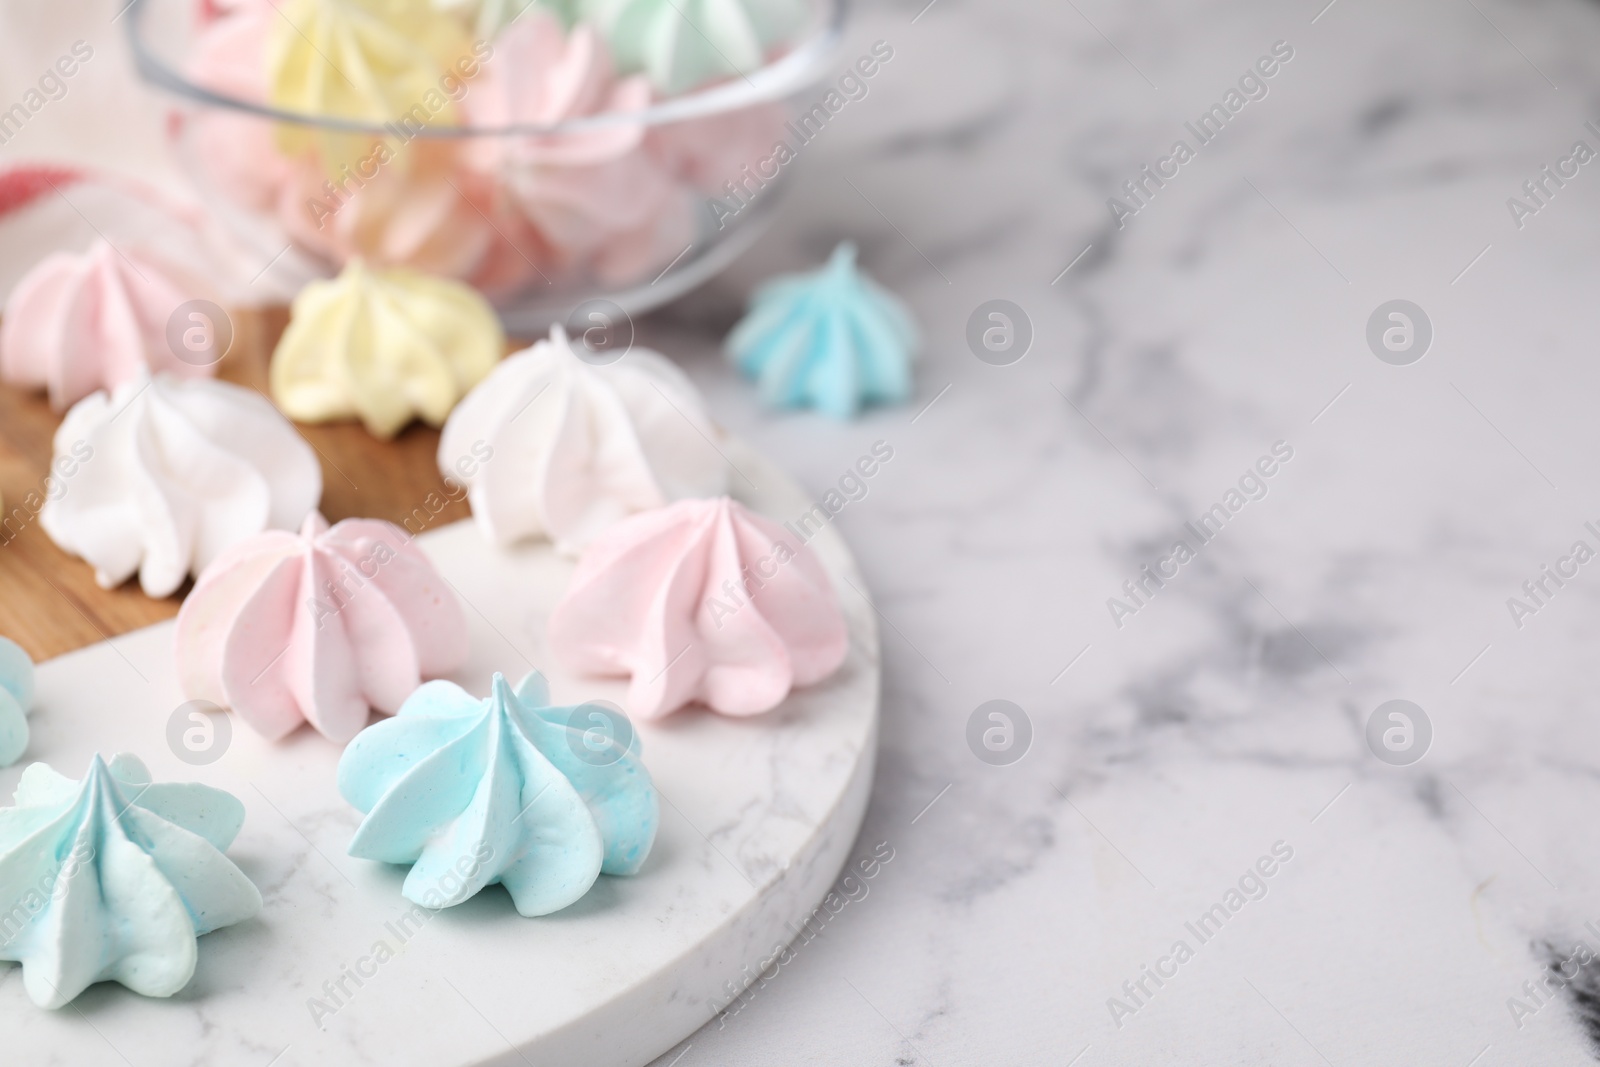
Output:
(1230, 712)
(1170, 755)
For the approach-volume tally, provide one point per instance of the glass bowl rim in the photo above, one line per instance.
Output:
(796, 69)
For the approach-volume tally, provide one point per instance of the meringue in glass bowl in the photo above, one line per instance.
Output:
(553, 163)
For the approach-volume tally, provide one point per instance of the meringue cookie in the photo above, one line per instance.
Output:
(512, 261)
(318, 627)
(172, 472)
(425, 216)
(682, 43)
(509, 790)
(542, 76)
(713, 152)
(384, 346)
(576, 447)
(833, 339)
(492, 16)
(367, 60)
(114, 879)
(16, 697)
(701, 601)
(78, 323)
(596, 195)
(236, 150)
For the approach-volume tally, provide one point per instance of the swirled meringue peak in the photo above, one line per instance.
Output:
(834, 340)
(319, 627)
(16, 697)
(78, 323)
(383, 346)
(508, 789)
(576, 446)
(597, 196)
(541, 75)
(703, 601)
(114, 878)
(683, 43)
(423, 217)
(167, 473)
(367, 60)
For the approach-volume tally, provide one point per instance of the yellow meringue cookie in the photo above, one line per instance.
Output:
(374, 61)
(385, 347)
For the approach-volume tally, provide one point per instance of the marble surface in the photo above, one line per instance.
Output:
(758, 818)
(1169, 755)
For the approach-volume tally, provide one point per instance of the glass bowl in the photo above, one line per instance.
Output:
(630, 206)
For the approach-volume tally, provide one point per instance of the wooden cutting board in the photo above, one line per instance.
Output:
(49, 602)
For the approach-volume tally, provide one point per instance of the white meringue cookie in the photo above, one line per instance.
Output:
(550, 445)
(170, 472)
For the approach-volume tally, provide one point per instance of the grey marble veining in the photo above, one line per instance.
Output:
(1170, 755)
(1421, 903)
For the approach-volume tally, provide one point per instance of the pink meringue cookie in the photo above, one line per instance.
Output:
(597, 195)
(79, 323)
(652, 220)
(413, 212)
(703, 601)
(713, 151)
(514, 258)
(541, 76)
(237, 151)
(318, 627)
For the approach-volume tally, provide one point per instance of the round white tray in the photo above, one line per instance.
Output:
(758, 817)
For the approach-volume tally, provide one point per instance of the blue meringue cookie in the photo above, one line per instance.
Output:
(114, 878)
(833, 340)
(16, 697)
(473, 792)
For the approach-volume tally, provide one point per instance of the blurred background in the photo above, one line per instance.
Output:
(1179, 330)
